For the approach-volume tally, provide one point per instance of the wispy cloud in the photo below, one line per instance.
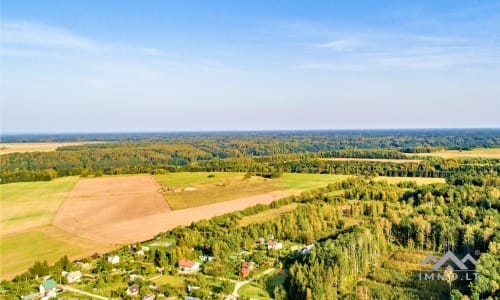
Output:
(41, 35)
(339, 45)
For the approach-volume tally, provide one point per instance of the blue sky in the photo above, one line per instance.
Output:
(100, 66)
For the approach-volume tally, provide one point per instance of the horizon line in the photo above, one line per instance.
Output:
(244, 130)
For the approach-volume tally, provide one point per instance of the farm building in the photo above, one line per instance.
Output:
(245, 272)
(188, 265)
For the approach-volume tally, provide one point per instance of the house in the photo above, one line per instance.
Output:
(230, 297)
(274, 245)
(246, 265)
(188, 265)
(114, 259)
(148, 297)
(244, 272)
(145, 248)
(73, 276)
(140, 253)
(191, 298)
(48, 289)
(133, 290)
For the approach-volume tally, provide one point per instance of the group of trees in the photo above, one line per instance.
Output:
(351, 230)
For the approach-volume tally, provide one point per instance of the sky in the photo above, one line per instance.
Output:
(128, 66)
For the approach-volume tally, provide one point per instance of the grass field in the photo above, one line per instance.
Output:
(205, 190)
(419, 180)
(6, 148)
(253, 290)
(398, 161)
(303, 182)
(184, 190)
(19, 251)
(477, 152)
(267, 215)
(28, 205)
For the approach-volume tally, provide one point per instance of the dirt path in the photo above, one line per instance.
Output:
(77, 291)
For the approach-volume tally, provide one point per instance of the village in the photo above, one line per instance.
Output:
(142, 275)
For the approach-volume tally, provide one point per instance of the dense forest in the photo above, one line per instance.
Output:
(264, 152)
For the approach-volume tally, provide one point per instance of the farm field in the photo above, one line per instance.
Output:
(6, 148)
(96, 204)
(185, 190)
(398, 161)
(418, 180)
(28, 205)
(105, 212)
(19, 251)
(477, 152)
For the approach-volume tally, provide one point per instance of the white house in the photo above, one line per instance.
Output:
(274, 245)
(114, 259)
(188, 265)
(74, 276)
(48, 289)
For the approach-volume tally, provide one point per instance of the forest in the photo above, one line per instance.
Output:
(264, 152)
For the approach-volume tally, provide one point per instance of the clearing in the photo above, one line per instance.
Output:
(6, 148)
(477, 152)
(419, 180)
(398, 161)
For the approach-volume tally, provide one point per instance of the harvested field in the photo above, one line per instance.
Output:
(6, 148)
(397, 161)
(95, 204)
(478, 152)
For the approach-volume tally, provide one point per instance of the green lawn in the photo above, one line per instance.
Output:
(28, 205)
(253, 290)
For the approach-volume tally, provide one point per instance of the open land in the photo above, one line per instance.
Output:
(46, 220)
(6, 148)
(477, 152)
(398, 161)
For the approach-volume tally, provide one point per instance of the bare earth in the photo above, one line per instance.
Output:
(127, 209)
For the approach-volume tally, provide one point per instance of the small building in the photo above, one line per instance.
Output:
(48, 289)
(306, 249)
(133, 290)
(145, 248)
(188, 265)
(148, 297)
(73, 276)
(114, 259)
(133, 277)
(206, 258)
(247, 265)
(245, 272)
(274, 245)
(140, 253)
